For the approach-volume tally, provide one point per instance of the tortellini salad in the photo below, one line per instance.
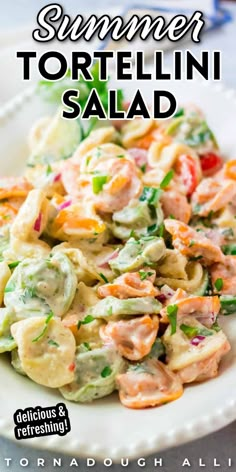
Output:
(118, 256)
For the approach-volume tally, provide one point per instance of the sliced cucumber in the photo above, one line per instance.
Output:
(228, 304)
(59, 141)
(202, 289)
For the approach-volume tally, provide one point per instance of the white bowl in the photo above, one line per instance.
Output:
(105, 428)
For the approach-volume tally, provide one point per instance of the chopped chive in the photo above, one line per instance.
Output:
(161, 230)
(88, 319)
(49, 317)
(165, 182)
(192, 242)
(143, 168)
(104, 278)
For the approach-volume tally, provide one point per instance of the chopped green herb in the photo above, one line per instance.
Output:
(195, 258)
(152, 229)
(87, 346)
(228, 233)
(229, 249)
(12, 265)
(49, 317)
(120, 156)
(97, 182)
(132, 234)
(180, 112)
(88, 319)
(172, 217)
(216, 327)
(143, 168)
(48, 170)
(172, 311)
(106, 371)
(161, 230)
(151, 195)
(192, 242)
(104, 278)
(192, 331)
(109, 311)
(144, 275)
(53, 343)
(88, 160)
(218, 284)
(165, 182)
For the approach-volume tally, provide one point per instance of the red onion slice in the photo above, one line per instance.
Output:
(105, 264)
(64, 205)
(37, 224)
(197, 340)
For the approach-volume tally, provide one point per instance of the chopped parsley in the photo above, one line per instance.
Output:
(106, 371)
(49, 317)
(172, 311)
(144, 275)
(143, 168)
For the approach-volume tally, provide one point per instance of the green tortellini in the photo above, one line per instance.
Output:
(7, 317)
(139, 217)
(111, 307)
(16, 363)
(39, 286)
(4, 239)
(136, 254)
(95, 375)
